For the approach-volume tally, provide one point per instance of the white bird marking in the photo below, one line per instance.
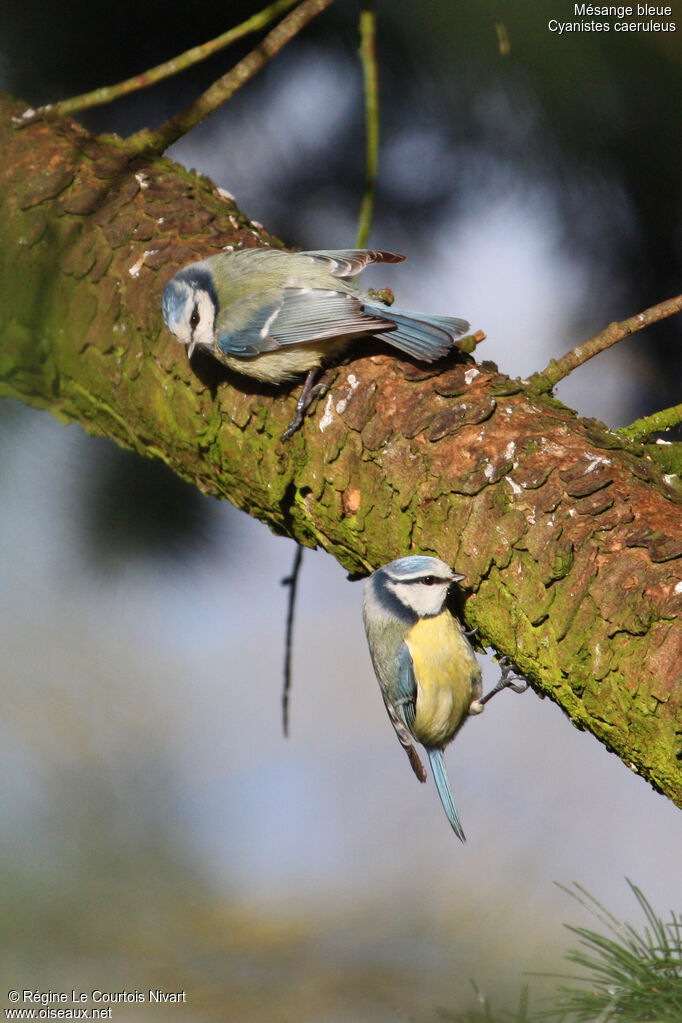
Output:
(265, 329)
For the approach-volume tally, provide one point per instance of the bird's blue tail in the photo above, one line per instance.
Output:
(443, 785)
(420, 335)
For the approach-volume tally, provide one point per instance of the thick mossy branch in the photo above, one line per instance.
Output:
(570, 537)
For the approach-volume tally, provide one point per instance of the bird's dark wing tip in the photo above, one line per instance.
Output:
(381, 256)
(416, 763)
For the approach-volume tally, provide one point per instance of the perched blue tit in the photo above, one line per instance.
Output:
(274, 315)
(426, 667)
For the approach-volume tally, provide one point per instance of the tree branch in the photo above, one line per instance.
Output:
(615, 332)
(665, 419)
(569, 536)
(108, 93)
(224, 88)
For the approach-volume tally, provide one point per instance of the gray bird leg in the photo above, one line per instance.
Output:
(506, 681)
(305, 399)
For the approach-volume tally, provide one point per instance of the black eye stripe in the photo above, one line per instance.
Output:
(423, 580)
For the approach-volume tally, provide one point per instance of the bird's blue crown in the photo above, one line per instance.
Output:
(413, 565)
(175, 296)
(173, 302)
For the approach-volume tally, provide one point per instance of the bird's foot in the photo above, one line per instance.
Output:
(506, 681)
(305, 399)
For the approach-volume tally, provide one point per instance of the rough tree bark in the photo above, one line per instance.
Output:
(569, 536)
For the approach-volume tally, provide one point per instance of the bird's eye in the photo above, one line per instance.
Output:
(194, 318)
(429, 580)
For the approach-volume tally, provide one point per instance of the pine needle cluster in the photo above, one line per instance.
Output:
(625, 975)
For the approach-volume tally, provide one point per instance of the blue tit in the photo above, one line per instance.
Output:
(426, 667)
(274, 315)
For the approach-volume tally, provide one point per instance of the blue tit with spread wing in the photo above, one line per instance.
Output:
(273, 314)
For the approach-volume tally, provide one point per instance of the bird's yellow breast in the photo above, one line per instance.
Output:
(447, 674)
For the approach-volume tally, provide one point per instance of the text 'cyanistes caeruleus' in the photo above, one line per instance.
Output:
(426, 667)
(273, 315)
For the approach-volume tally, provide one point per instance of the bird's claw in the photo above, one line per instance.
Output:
(508, 674)
(305, 400)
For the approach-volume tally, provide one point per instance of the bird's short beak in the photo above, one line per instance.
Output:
(456, 578)
(190, 348)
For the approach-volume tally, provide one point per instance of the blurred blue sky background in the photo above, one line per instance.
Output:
(158, 828)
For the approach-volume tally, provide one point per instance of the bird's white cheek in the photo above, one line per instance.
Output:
(180, 333)
(203, 335)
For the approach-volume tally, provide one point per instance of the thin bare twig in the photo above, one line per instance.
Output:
(615, 332)
(108, 93)
(292, 582)
(225, 87)
(371, 82)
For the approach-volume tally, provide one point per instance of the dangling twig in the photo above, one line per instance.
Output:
(291, 581)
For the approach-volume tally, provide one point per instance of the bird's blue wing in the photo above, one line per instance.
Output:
(400, 707)
(292, 316)
(311, 314)
(243, 328)
(406, 687)
(443, 785)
